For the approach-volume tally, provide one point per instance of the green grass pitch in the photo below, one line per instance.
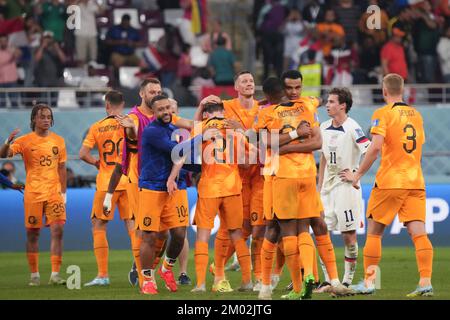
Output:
(398, 277)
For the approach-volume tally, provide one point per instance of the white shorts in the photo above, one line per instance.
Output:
(342, 208)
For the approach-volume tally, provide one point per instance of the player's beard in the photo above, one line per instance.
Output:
(161, 119)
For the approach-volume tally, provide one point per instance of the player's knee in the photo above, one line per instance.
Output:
(33, 235)
(178, 235)
(149, 237)
(258, 232)
(319, 226)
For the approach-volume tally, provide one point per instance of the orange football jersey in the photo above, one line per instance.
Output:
(107, 134)
(247, 118)
(402, 128)
(220, 173)
(41, 156)
(287, 117)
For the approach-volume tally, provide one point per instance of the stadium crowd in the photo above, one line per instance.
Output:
(336, 37)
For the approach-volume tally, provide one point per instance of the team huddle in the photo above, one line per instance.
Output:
(147, 158)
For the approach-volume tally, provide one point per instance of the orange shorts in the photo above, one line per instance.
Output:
(295, 198)
(252, 198)
(119, 198)
(231, 212)
(133, 199)
(158, 211)
(268, 197)
(384, 204)
(53, 210)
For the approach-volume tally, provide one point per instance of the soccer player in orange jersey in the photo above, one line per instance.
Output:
(219, 187)
(44, 155)
(293, 81)
(398, 133)
(243, 112)
(107, 135)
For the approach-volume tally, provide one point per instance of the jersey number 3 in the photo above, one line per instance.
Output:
(411, 136)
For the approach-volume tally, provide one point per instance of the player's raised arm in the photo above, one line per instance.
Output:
(130, 129)
(5, 151)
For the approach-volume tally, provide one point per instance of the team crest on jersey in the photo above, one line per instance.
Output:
(32, 220)
(254, 216)
(375, 122)
(55, 150)
(359, 132)
(147, 221)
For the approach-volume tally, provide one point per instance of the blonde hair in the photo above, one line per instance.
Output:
(393, 84)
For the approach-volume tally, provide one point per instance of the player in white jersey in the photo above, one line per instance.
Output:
(343, 144)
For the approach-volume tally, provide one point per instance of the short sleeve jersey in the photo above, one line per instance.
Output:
(220, 176)
(41, 156)
(402, 128)
(285, 118)
(342, 148)
(107, 135)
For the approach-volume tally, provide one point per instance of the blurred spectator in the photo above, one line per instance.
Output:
(184, 70)
(269, 24)
(11, 169)
(379, 36)
(49, 62)
(392, 54)
(309, 50)
(123, 39)
(222, 64)
(86, 36)
(348, 15)
(8, 71)
(369, 61)
(294, 32)
(3, 10)
(52, 15)
(170, 48)
(330, 32)
(444, 8)
(344, 58)
(16, 8)
(426, 38)
(202, 79)
(208, 40)
(33, 32)
(7, 174)
(314, 12)
(443, 50)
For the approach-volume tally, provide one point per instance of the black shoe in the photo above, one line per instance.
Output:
(346, 284)
(133, 276)
(184, 279)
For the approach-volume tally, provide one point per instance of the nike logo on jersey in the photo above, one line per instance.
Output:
(348, 225)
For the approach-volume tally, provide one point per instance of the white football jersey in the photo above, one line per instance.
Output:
(342, 148)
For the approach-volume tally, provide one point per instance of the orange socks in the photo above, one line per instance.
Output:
(33, 261)
(424, 255)
(326, 253)
(280, 259)
(267, 254)
(136, 249)
(372, 255)
(101, 251)
(306, 249)
(291, 254)
(221, 245)
(243, 255)
(56, 263)
(201, 261)
(256, 257)
(315, 270)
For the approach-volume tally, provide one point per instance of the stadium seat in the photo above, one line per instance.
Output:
(151, 18)
(154, 34)
(127, 77)
(73, 76)
(119, 3)
(134, 14)
(172, 16)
